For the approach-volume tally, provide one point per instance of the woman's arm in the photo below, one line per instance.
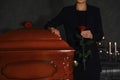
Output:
(98, 30)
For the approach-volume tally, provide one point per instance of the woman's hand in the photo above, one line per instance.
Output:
(87, 34)
(55, 31)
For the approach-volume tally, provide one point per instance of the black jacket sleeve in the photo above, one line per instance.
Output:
(97, 31)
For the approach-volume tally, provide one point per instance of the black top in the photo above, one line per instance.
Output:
(81, 18)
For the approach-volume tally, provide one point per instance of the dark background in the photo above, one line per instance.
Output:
(14, 12)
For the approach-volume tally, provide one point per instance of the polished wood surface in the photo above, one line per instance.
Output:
(34, 54)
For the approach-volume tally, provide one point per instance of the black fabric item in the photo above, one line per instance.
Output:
(72, 19)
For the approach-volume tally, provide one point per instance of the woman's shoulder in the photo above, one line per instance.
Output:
(72, 7)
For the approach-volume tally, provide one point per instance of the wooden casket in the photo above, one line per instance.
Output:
(34, 54)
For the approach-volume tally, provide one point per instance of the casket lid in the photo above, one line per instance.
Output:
(28, 34)
(32, 38)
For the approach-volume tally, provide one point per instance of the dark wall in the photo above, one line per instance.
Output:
(14, 12)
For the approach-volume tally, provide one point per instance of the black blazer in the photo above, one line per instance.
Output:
(69, 18)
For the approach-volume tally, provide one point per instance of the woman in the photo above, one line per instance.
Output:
(72, 17)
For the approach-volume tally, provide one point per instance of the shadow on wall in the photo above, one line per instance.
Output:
(40, 22)
(54, 8)
(2, 31)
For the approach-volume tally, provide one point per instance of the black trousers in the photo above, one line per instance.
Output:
(85, 75)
